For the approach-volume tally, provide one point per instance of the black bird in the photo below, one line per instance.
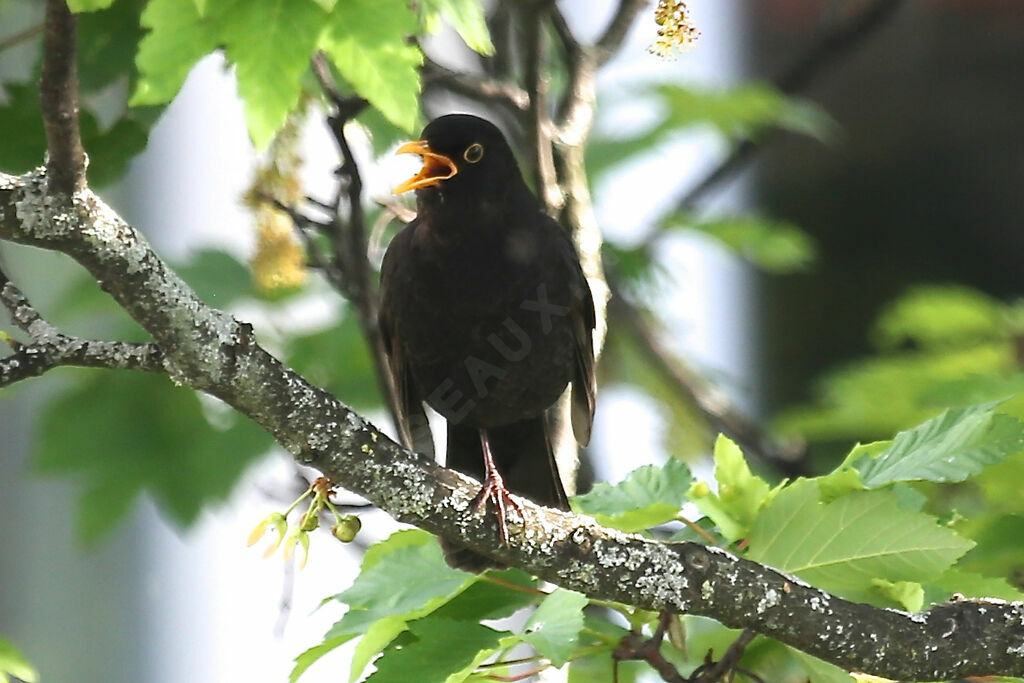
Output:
(486, 317)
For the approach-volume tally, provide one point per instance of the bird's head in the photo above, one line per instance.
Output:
(462, 155)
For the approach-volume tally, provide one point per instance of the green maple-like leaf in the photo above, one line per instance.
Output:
(365, 40)
(554, 629)
(844, 545)
(648, 496)
(126, 433)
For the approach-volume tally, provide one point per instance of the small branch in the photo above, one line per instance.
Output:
(538, 127)
(349, 237)
(716, 671)
(21, 36)
(480, 88)
(617, 30)
(720, 413)
(58, 95)
(50, 349)
(635, 646)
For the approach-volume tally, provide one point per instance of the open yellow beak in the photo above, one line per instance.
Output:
(436, 167)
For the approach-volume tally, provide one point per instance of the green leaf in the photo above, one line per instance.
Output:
(741, 493)
(13, 663)
(486, 600)
(411, 582)
(998, 551)
(957, 444)
(123, 433)
(907, 594)
(832, 547)
(776, 246)
(216, 277)
(109, 151)
(939, 315)
(442, 647)
(973, 585)
(373, 642)
(648, 496)
(465, 16)
(107, 43)
(366, 41)
(338, 359)
(819, 671)
(270, 43)
(178, 38)
(554, 629)
(313, 654)
(88, 5)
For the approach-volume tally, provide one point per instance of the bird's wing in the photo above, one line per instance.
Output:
(584, 319)
(413, 427)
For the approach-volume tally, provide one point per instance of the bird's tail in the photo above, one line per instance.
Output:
(524, 457)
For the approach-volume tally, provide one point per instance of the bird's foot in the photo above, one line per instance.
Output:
(494, 490)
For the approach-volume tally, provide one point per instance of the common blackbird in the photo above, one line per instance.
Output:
(486, 317)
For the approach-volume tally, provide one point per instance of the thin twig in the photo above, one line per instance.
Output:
(714, 672)
(349, 236)
(21, 36)
(58, 100)
(635, 646)
(538, 128)
(50, 349)
(720, 413)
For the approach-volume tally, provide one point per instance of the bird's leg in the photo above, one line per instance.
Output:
(494, 490)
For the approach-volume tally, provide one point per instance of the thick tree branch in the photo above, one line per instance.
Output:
(210, 351)
(58, 94)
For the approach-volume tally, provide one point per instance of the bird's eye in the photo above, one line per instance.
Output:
(474, 153)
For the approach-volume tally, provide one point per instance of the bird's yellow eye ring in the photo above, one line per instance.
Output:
(474, 153)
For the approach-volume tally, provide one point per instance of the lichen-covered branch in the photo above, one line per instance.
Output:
(50, 348)
(210, 351)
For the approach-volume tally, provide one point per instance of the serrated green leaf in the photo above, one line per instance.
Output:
(442, 647)
(741, 493)
(88, 5)
(107, 43)
(972, 585)
(776, 246)
(124, 433)
(13, 663)
(376, 638)
(410, 582)
(554, 629)
(957, 444)
(648, 496)
(270, 43)
(366, 41)
(178, 38)
(829, 544)
(907, 594)
(819, 671)
(939, 315)
(405, 538)
(484, 599)
(466, 17)
(314, 654)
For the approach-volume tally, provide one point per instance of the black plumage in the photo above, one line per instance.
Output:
(486, 317)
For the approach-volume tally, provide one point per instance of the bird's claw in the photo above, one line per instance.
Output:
(495, 491)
